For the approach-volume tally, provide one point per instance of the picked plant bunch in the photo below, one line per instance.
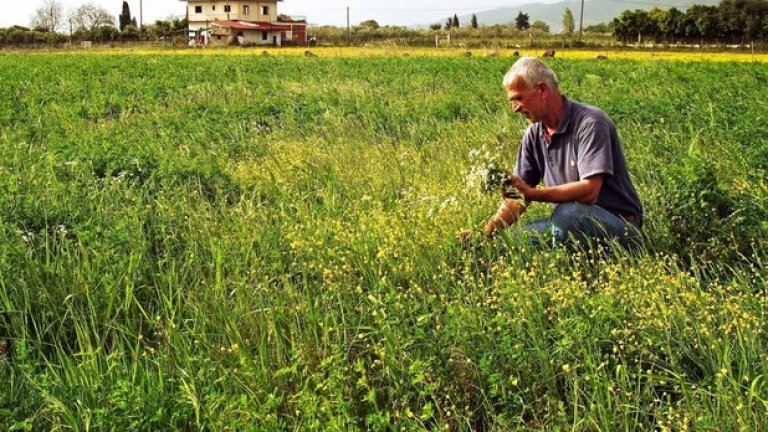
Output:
(500, 180)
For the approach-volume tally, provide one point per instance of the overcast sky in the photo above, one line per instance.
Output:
(392, 12)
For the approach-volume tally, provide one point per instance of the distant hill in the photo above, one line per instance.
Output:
(595, 11)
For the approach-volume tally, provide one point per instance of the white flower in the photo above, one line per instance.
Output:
(450, 201)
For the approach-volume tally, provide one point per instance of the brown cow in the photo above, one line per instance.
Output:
(549, 53)
(516, 54)
(601, 57)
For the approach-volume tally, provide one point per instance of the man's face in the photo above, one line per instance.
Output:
(526, 101)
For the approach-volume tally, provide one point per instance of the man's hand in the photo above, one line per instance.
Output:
(522, 186)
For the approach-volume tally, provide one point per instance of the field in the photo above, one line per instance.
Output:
(264, 242)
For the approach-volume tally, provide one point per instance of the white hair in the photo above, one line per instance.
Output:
(533, 71)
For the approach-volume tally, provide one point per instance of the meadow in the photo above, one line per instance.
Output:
(264, 242)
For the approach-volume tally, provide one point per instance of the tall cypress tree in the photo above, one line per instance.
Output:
(521, 22)
(568, 23)
(125, 16)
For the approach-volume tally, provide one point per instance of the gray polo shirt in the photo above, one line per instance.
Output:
(586, 143)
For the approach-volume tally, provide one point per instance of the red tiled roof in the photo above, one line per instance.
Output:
(250, 25)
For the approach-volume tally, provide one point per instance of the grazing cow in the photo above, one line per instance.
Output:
(309, 54)
(516, 54)
(601, 57)
(549, 53)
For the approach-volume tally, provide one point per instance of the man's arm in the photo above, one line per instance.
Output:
(584, 191)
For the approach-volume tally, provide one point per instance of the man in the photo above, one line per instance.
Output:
(574, 149)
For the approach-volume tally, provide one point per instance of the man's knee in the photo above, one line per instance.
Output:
(569, 215)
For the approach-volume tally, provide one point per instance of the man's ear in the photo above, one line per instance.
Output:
(542, 87)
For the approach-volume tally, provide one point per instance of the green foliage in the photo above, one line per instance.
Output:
(522, 21)
(268, 243)
(540, 26)
(733, 21)
(568, 22)
(130, 32)
(369, 24)
(124, 19)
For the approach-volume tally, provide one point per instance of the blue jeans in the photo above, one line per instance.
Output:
(574, 224)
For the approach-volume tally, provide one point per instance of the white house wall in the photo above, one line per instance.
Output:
(236, 14)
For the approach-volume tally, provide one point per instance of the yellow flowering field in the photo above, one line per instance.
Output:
(690, 55)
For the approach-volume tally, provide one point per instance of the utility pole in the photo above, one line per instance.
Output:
(141, 18)
(581, 18)
(348, 33)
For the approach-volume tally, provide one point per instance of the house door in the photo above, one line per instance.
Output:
(274, 40)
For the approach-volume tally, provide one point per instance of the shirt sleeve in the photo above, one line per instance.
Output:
(595, 155)
(526, 166)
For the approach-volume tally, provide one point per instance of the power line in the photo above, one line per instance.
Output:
(653, 3)
(319, 11)
(403, 10)
(434, 9)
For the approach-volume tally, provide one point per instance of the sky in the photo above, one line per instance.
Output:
(333, 12)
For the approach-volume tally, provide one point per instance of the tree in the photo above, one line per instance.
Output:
(435, 26)
(369, 24)
(631, 24)
(49, 16)
(658, 18)
(448, 23)
(522, 21)
(598, 28)
(702, 22)
(87, 17)
(568, 23)
(541, 26)
(474, 21)
(129, 32)
(455, 22)
(764, 31)
(742, 19)
(125, 16)
(671, 25)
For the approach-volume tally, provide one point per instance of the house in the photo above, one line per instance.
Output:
(245, 22)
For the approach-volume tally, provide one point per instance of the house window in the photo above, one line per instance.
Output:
(246, 10)
(227, 8)
(198, 9)
(265, 10)
(264, 35)
(240, 34)
(213, 8)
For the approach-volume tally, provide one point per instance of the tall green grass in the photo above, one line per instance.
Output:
(270, 244)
